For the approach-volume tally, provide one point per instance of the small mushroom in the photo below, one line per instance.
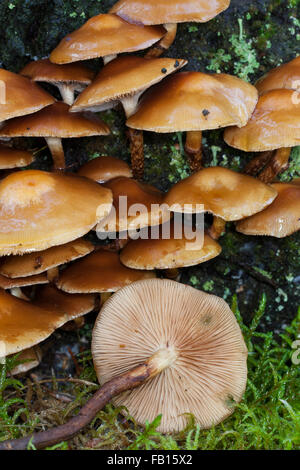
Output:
(13, 158)
(29, 359)
(23, 325)
(45, 261)
(274, 125)
(54, 124)
(193, 102)
(144, 206)
(105, 36)
(281, 218)
(228, 195)
(105, 168)
(68, 78)
(99, 272)
(15, 285)
(169, 13)
(169, 253)
(124, 80)
(20, 96)
(40, 210)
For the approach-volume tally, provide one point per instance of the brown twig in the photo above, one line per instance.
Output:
(129, 380)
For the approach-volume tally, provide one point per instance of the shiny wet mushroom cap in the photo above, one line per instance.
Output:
(105, 168)
(21, 96)
(55, 123)
(41, 261)
(23, 325)
(284, 76)
(39, 210)
(205, 369)
(105, 36)
(99, 272)
(68, 78)
(13, 158)
(169, 253)
(281, 218)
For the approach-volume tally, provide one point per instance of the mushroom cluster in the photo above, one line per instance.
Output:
(179, 348)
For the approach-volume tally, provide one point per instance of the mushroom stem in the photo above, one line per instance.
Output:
(130, 104)
(258, 163)
(17, 292)
(132, 379)
(217, 228)
(57, 152)
(278, 163)
(193, 149)
(109, 58)
(105, 296)
(67, 93)
(164, 43)
(53, 274)
(172, 273)
(136, 138)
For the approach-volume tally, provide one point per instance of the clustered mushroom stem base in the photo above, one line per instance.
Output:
(67, 93)
(57, 152)
(277, 164)
(258, 163)
(136, 138)
(193, 149)
(132, 379)
(164, 44)
(218, 227)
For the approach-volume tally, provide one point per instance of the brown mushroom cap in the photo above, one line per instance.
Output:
(39, 210)
(77, 305)
(23, 325)
(45, 71)
(123, 77)
(105, 35)
(193, 101)
(169, 253)
(22, 96)
(209, 371)
(13, 158)
(9, 283)
(151, 12)
(224, 193)
(281, 218)
(285, 76)
(99, 272)
(105, 168)
(146, 199)
(41, 261)
(55, 121)
(274, 124)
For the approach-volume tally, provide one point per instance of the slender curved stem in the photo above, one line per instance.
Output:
(132, 379)
(278, 163)
(258, 163)
(57, 152)
(67, 93)
(193, 149)
(136, 138)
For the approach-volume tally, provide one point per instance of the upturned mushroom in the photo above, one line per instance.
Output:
(54, 124)
(193, 102)
(105, 168)
(136, 205)
(228, 195)
(169, 13)
(68, 78)
(99, 272)
(160, 347)
(20, 96)
(45, 261)
(281, 218)
(13, 158)
(27, 360)
(105, 36)
(39, 210)
(274, 125)
(124, 80)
